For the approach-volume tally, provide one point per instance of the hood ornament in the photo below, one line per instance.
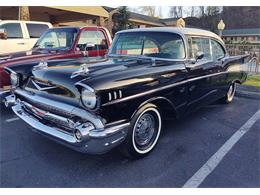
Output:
(82, 70)
(41, 65)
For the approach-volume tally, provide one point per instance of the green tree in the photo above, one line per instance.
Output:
(121, 19)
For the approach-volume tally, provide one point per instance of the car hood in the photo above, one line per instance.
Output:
(27, 56)
(103, 74)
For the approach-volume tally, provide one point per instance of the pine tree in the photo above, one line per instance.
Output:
(121, 19)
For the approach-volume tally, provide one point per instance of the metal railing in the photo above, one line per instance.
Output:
(252, 66)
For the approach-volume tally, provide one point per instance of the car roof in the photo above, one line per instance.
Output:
(177, 30)
(22, 21)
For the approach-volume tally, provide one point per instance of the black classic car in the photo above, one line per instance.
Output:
(121, 100)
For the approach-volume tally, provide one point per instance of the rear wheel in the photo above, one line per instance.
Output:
(143, 133)
(230, 94)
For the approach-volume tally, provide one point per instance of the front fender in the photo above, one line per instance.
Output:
(164, 104)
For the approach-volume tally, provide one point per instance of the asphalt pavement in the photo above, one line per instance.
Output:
(30, 160)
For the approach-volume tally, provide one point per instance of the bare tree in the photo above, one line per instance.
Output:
(173, 12)
(189, 11)
(180, 11)
(159, 12)
(192, 11)
(212, 10)
(149, 10)
(202, 10)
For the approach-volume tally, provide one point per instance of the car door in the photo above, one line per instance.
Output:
(200, 90)
(92, 43)
(16, 40)
(34, 30)
(218, 80)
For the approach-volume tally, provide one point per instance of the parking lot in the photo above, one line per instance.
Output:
(30, 160)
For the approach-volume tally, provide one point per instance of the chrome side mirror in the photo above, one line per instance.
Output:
(3, 34)
(89, 46)
(199, 55)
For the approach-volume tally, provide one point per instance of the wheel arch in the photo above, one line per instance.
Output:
(237, 81)
(165, 106)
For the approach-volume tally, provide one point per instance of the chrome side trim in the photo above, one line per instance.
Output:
(63, 107)
(162, 88)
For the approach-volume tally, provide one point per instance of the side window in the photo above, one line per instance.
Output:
(217, 50)
(175, 48)
(36, 30)
(13, 30)
(96, 38)
(199, 44)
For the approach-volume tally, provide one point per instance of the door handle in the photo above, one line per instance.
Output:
(21, 43)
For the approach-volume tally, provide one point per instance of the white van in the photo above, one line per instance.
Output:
(20, 35)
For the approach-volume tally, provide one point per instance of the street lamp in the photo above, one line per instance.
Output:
(221, 27)
(180, 23)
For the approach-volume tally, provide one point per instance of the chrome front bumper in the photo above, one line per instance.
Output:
(94, 140)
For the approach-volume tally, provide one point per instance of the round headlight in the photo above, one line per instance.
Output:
(88, 98)
(14, 79)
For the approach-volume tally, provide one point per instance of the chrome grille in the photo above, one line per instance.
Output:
(47, 107)
(58, 121)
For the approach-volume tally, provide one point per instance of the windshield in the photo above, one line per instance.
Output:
(61, 39)
(150, 44)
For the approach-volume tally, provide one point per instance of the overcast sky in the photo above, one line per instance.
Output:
(165, 10)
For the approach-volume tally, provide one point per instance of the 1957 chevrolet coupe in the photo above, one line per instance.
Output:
(121, 100)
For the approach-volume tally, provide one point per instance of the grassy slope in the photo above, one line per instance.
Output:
(253, 80)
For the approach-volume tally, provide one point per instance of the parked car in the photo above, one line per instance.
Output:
(122, 100)
(57, 43)
(20, 35)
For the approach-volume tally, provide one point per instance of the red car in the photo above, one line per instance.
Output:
(58, 43)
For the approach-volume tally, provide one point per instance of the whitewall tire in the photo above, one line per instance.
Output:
(143, 133)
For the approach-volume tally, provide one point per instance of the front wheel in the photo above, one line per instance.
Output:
(143, 133)
(230, 94)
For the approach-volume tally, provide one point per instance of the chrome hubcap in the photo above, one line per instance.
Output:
(145, 129)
